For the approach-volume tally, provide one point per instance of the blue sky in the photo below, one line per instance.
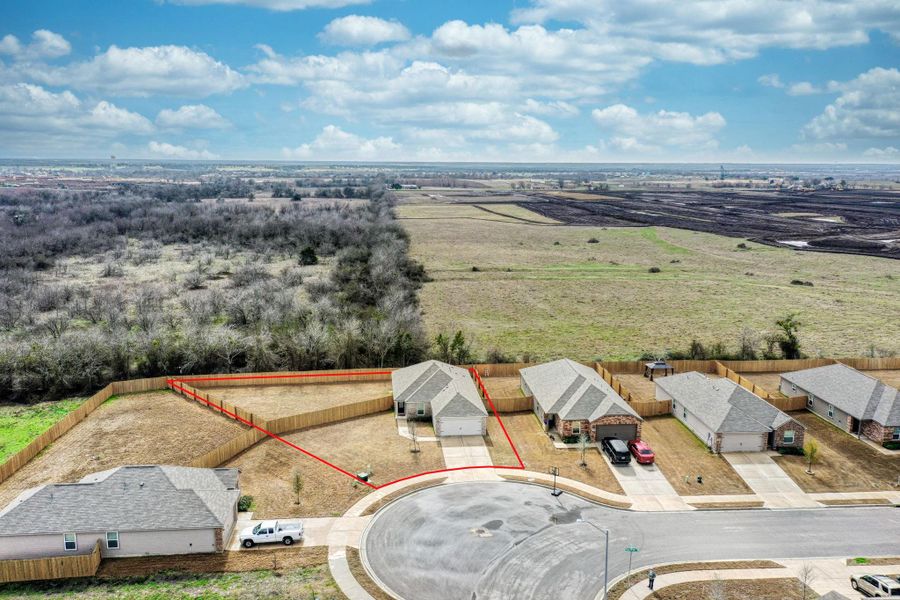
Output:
(531, 80)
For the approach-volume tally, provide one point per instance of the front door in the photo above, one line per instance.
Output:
(401, 409)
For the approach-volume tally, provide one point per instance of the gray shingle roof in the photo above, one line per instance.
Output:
(448, 389)
(850, 391)
(573, 391)
(132, 498)
(722, 405)
(833, 596)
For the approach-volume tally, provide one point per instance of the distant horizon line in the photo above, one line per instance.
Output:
(423, 162)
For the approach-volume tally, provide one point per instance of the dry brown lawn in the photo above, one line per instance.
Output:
(623, 585)
(503, 387)
(771, 382)
(231, 561)
(638, 385)
(147, 428)
(888, 376)
(274, 401)
(267, 468)
(538, 453)
(680, 454)
(783, 588)
(845, 464)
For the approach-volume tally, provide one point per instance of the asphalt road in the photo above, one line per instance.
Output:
(503, 540)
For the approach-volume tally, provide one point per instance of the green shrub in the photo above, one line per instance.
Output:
(570, 439)
(892, 445)
(245, 503)
(790, 451)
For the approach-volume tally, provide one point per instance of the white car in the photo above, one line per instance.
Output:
(272, 531)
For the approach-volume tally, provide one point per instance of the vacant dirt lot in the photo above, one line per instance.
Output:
(845, 464)
(733, 589)
(153, 427)
(680, 454)
(538, 453)
(267, 468)
(503, 387)
(274, 401)
(890, 377)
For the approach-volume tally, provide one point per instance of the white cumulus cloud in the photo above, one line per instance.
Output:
(631, 131)
(191, 116)
(358, 30)
(44, 44)
(277, 5)
(868, 107)
(172, 70)
(333, 143)
(166, 150)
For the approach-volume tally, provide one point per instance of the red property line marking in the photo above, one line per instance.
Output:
(174, 384)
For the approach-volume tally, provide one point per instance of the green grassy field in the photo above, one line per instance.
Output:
(313, 583)
(21, 424)
(545, 290)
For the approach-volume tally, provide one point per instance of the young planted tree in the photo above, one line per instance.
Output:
(415, 437)
(297, 485)
(811, 449)
(584, 442)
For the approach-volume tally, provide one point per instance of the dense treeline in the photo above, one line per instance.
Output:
(244, 303)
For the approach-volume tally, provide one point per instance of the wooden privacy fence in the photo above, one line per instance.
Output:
(247, 439)
(57, 567)
(636, 367)
(333, 414)
(229, 449)
(775, 366)
(652, 408)
(509, 404)
(615, 384)
(872, 364)
(287, 378)
(723, 371)
(20, 458)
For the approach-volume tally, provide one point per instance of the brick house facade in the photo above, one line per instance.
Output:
(878, 432)
(778, 436)
(566, 428)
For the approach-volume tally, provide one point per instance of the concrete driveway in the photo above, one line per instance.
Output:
(768, 480)
(504, 540)
(465, 451)
(324, 531)
(646, 486)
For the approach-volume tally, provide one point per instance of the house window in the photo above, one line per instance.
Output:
(793, 388)
(112, 540)
(896, 434)
(576, 428)
(789, 436)
(684, 413)
(70, 543)
(420, 410)
(830, 410)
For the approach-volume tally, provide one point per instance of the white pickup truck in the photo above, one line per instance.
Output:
(272, 531)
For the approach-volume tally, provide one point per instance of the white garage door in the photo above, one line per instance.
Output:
(460, 426)
(742, 442)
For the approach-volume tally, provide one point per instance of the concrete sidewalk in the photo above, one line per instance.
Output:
(768, 481)
(824, 575)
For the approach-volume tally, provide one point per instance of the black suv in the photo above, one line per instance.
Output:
(616, 450)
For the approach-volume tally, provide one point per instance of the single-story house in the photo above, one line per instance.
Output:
(571, 398)
(726, 416)
(131, 511)
(850, 399)
(443, 393)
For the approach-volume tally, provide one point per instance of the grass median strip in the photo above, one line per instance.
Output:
(361, 577)
(571, 490)
(623, 585)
